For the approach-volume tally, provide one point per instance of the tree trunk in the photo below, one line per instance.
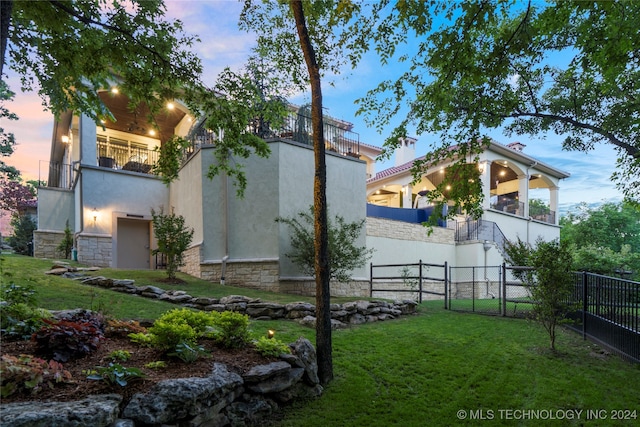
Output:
(6, 6)
(323, 301)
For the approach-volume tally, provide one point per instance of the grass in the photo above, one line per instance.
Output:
(418, 370)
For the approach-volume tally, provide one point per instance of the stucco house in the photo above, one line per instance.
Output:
(99, 178)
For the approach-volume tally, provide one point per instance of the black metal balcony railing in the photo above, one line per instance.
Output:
(126, 158)
(55, 175)
(297, 127)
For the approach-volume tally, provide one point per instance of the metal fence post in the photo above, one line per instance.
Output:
(370, 280)
(420, 281)
(504, 289)
(585, 305)
(446, 286)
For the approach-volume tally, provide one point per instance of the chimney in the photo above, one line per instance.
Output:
(517, 146)
(406, 151)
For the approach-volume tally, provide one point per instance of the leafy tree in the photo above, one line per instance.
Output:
(344, 254)
(7, 139)
(605, 239)
(15, 197)
(538, 207)
(173, 239)
(568, 67)
(550, 281)
(22, 239)
(54, 46)
(297, 38)
(610, 225)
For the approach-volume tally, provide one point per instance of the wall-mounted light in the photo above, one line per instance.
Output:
(95, 214)
(65, 139)
(481, 167)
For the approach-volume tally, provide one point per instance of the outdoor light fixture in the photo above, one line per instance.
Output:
(95, 215)
(65, 139)
(271, 333)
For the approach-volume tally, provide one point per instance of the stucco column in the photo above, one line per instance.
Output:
(88, 141)
(485, 178)
(406, 196)
(523, 194)
(553, 202)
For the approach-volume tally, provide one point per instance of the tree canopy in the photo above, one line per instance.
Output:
(530, 68)
(67, 50)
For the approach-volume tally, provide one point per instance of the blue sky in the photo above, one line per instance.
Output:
(223, 44)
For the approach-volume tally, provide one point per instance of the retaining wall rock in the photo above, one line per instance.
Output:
(342, 315)
(222, 399)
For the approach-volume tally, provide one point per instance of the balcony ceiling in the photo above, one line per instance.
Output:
(136, 121)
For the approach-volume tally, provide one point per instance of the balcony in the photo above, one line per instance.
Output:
(297, 128)
(126, 157)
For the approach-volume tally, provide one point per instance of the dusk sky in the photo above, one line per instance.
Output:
(223, 44)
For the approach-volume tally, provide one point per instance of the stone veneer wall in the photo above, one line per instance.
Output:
(192, 257)
(252, 274)
(45, 243)
(95, 250)
(381, 227)
(354, 288)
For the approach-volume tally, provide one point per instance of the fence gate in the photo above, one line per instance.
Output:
(419, 281)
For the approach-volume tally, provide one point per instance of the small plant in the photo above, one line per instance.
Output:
(14, 294)
(65, 340)
(19, 321)
(188, 352)
(115, 374)
(141, 338)
(121, 355)
(271, 347)
(231, 329)
(27, 373)
(158, 364)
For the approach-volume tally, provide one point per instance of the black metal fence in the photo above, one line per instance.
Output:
(419, 280)
(609, 307)
(609, 312)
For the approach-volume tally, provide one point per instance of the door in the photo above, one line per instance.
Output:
(134, 239)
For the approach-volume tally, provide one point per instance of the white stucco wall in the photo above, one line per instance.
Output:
(110, 191)
(185, 196)
(515, 227)
(59, 208)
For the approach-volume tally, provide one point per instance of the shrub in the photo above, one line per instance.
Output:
(173, 239)
(65, 340)
(231, 329)
(180, 326)
(66, 244)
(27, 373)
(271, 347)
(115, 374)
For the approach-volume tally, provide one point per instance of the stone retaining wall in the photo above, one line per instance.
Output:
(342, 315)
(222, 399)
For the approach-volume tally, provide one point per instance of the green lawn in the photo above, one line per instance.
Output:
(422, 370)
